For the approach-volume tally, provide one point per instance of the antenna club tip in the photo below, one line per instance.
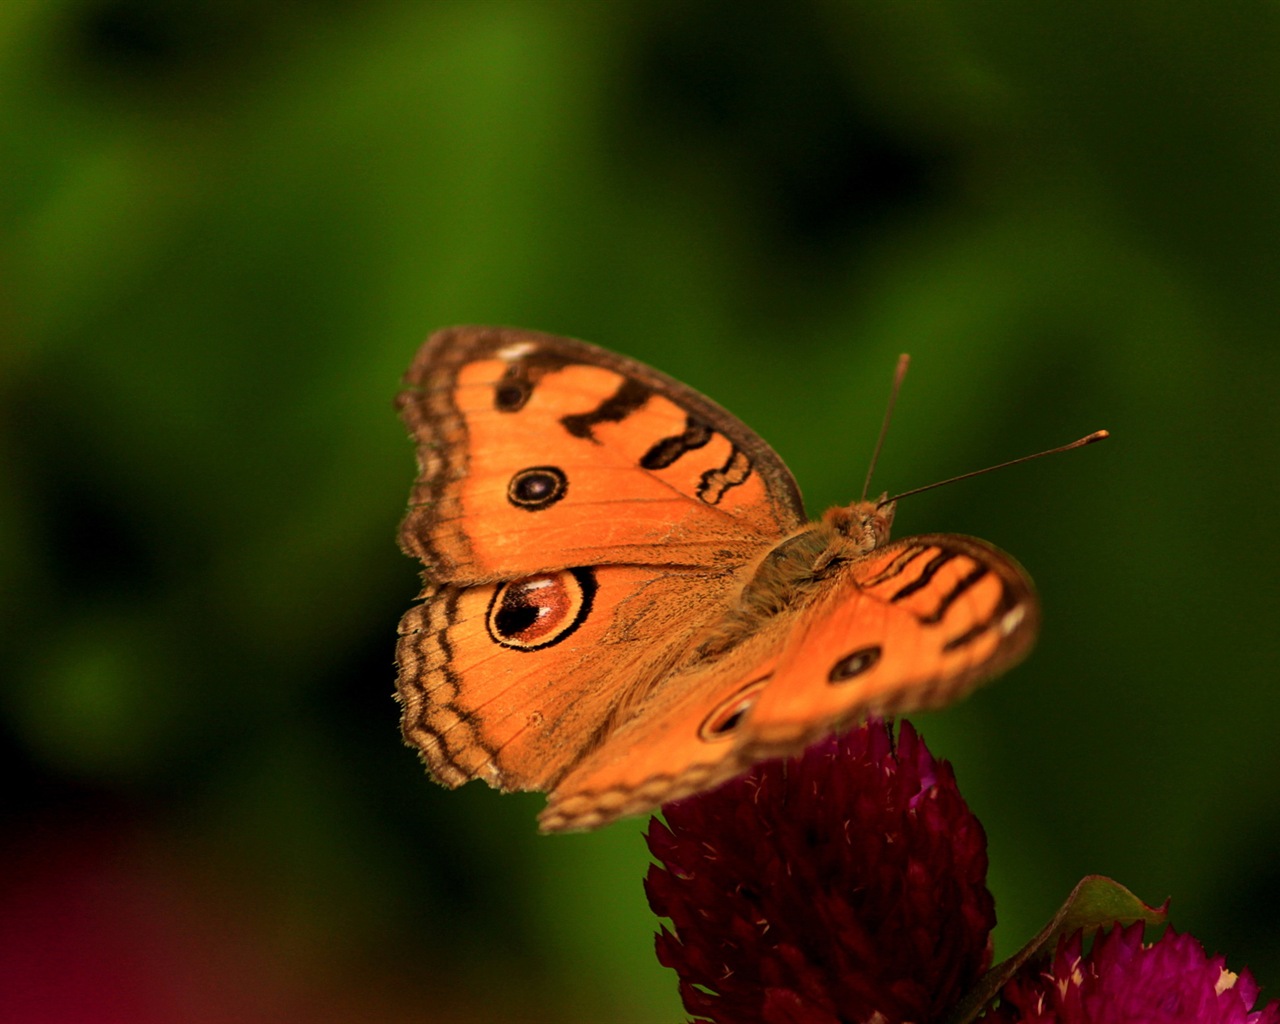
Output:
(1097, 435)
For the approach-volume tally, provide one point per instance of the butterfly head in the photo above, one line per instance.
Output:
(865, 523)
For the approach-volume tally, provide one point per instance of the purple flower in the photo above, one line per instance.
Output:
(1122, 981)
(845, 885)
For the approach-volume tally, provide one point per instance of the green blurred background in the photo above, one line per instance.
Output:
(227, 226)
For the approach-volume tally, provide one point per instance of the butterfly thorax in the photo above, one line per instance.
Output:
(798, 568)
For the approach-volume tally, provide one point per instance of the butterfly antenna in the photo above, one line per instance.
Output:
(899, 372)
(1097, 435)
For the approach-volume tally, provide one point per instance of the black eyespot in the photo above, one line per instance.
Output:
(513, 620)
(510, 395)
(512, 391)
(854, 664)
(731, 712)
(538, 611)
(537, 487)
(730, 723)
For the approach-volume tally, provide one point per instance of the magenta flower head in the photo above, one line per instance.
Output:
(844, 885)
(1122, 981)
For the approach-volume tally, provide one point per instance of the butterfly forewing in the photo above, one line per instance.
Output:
(540, 453)
(914, 625)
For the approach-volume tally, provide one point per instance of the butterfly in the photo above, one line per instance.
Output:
(624, 601)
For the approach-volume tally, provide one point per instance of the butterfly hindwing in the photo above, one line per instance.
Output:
(515, 682)
(680, 741)
(912, 625)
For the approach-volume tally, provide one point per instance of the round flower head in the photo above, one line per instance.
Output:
(1122, 981)
(844, 885)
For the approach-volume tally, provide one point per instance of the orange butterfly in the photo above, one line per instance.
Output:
(624, 600)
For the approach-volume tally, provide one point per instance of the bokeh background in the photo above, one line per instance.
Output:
(228, 224)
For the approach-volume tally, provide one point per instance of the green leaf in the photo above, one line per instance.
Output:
(1095, 902)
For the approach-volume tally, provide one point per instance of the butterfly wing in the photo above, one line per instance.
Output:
(579, 517)
(538, 452)
(915, 624)
(679, 741)
(490, 691)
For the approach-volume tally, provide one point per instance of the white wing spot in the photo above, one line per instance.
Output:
(515, 351)
(1012, 619)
